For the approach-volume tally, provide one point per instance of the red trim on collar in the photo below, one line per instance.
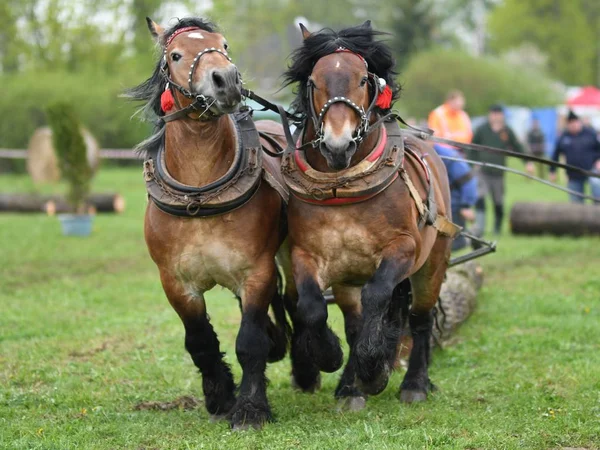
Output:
(178, 32)
(337, 201)
(372, 157)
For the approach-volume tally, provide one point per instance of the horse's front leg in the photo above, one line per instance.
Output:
(376, 344)
(252, 347)
(202, 344)
(313, 339)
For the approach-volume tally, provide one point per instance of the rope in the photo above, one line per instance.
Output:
(523, 174)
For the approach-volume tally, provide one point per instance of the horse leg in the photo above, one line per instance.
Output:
(426, 286)
(379, 335)
(348, 300)
(252, 347)
(203, 346)
(315, 340)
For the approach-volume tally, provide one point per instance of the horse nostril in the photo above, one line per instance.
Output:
(218, 80)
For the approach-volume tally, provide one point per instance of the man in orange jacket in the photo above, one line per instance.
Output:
(450, 121)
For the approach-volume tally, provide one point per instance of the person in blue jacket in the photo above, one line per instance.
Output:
(463, 191)
(581, 148)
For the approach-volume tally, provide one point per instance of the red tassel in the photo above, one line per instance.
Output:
(166, 100)
(384, 101)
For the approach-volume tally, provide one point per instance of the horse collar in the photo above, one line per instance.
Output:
(229, 192)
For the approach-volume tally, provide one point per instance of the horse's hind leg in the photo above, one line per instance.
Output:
(203, 346)
(348, 300)
(252, 347)
(426, 286)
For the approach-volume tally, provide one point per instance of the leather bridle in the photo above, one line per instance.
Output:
(318, 118)
(201, 102)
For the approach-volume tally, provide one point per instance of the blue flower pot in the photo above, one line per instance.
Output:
(76, 224)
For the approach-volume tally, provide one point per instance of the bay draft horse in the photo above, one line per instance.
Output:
(197, 138)
(370, 252)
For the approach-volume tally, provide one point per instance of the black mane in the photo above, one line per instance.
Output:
(151, 90)
(359, 39)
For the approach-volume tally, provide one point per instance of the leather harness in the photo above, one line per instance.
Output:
(367, 179)
(234, 189)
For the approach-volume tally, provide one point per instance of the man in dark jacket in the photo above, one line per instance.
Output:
(581, 148)
(493, 133)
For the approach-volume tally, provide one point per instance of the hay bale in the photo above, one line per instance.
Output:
(42, 163)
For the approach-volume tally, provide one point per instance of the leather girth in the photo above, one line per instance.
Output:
(229, 192)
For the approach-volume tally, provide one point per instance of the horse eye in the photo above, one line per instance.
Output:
(175, 56)
(364, 81)
(225, 46)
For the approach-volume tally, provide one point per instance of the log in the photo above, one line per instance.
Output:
(458, 299)
(42, 163)
(558, 219)
(53, 204)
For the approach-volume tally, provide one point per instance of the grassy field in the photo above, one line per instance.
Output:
(86, 335)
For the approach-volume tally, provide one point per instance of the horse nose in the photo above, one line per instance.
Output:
(227, 85)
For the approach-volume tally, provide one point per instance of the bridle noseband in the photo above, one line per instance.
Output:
(201, 102)
(365, 115)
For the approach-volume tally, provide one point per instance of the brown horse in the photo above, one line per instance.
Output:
(210, 219)
(361, 218)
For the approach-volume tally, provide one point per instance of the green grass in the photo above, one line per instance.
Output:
(86, 334)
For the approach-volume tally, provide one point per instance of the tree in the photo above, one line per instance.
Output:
(557, 28)
(414, 25)
(484, 81)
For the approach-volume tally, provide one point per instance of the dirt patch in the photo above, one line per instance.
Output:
(87, 353)
(186, 403)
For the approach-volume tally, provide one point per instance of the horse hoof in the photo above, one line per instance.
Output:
(214, 418)
(248, 415)
(376, 386)
(311, 389)
(246, 426)
(412, 396)
(352, 404)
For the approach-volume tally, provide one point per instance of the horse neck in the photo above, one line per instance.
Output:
(318, 161)
(198, 153)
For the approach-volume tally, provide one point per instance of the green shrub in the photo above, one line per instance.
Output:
(96, 96)
(71, 152)
(485, 81)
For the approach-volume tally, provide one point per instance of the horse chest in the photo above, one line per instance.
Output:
(346, 250)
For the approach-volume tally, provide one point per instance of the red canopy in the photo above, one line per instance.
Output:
(588, 96)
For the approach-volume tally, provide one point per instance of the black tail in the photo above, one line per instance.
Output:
(280, 331)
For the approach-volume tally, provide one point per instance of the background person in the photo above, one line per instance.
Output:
(581, 148)
(493, 133)
(537, 146)
(450, 121)
(463, 191)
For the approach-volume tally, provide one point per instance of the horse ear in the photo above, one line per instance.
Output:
(155, 29)
(305, 32)
(367, 24)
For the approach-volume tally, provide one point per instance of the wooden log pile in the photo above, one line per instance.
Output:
(558, 219)
(57, 204)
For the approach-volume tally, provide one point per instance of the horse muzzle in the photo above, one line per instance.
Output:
(338, 156)
(227, 87)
